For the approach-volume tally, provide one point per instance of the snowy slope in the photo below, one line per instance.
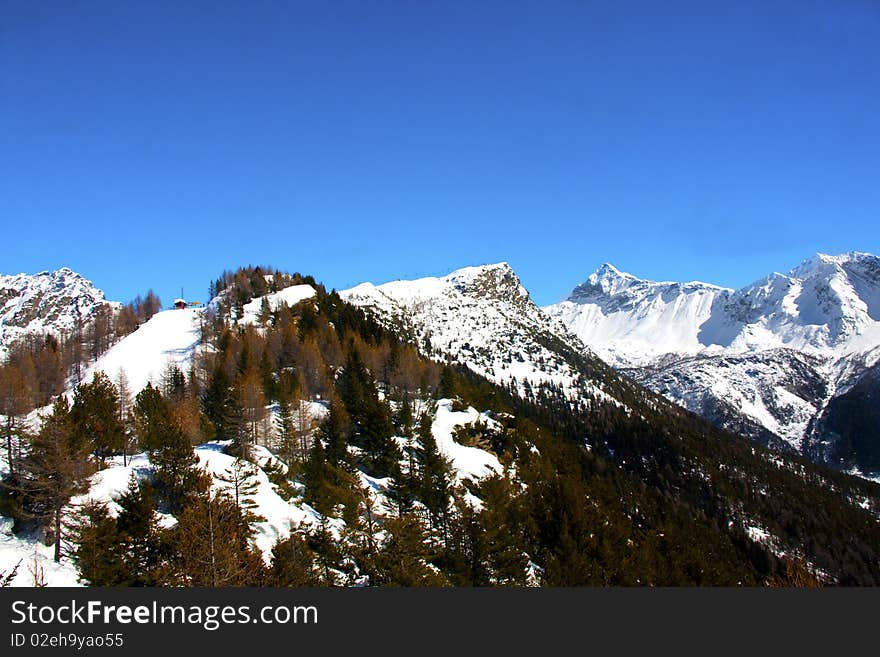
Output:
(483, 318)
(826, 305)
(167, 337)
(279, 515)
(627, 320)
(764, 360)
(48, 302)
(289, 296)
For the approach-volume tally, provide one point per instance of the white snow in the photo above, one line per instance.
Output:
(691, 341)
(280, 515)
(481, 317)
(822, 306)
(289, 296)
(468, 462)
(167, 337)
(32, 556)
(48, 302)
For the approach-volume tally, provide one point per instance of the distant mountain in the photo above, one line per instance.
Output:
(765, 360)
(48, 302)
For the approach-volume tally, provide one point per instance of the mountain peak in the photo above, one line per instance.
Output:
(45, 302)
(497, 281)
(823, 262)
(608, 270)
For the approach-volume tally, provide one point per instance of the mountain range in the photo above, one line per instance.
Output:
(602, 391)
(777, 360)
(790, 361)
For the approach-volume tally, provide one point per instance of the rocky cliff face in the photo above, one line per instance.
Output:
(48, 302)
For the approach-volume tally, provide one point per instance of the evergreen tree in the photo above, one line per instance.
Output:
(293, 562)
(406, 554)
(448, 385)
(334, 433)
(55, 468)
(285, 429)
(138, 535)
(98, 550)
(177, 476)
(217, 400)
(243, 481)
(95, 416)
(372, 427)
(212, 545)
(173, 382)
(435, 476)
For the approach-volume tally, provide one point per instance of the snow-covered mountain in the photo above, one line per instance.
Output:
(626, 320)
(484, 318)
(765, 360)
(48, 302)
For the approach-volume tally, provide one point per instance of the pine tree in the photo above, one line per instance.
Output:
(286, 433)
(448, 387)
(334, 432)
(325, 547)
(435, 476)
(173, 382)
(138, 535)
(212, 545)
(98, 550)
(177, 476)
(406, 554)
(95, 416)
(293, 562)
(243, 481)
(55, 469)
(217, 399)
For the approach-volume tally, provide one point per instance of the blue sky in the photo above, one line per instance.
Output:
(151, 145)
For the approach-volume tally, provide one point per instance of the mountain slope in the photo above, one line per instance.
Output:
(168, 337)
(47, 302)
(484, 318)
(574, 474)
(763, 361)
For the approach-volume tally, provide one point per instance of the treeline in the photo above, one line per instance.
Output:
(590, 493)
(557, 515)
(234, 289)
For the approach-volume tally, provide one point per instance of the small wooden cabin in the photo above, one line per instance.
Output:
(180, 303)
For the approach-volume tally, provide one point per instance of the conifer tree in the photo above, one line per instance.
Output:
(435, 476)
(138, 535)
(173, 382)
(334, 433)
(98, 550)
(325, 547)
(95, 416)
(243, 481)
(55, 469)
(285, 430)
(406, 554)
(293, 562)
(177, 476)
(212, 545)
(217, 400)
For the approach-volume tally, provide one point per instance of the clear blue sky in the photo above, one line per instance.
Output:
(153, 144)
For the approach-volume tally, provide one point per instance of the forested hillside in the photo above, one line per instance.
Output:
(305, 442)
